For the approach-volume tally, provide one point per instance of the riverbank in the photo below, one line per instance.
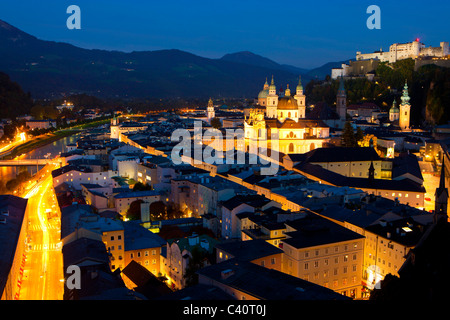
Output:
(38, 142)
(50, 138)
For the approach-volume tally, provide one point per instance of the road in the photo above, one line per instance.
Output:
(43, 273)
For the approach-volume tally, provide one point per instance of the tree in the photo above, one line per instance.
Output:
(348, 136)
(139, 186)
(216, 123)
(359, 135)
(195, 262)
(134, 211)
(158, 210)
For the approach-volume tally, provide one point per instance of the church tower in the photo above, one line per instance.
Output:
(114, 128)
(441, 197)
(301, 100)
(272, 101)
(405, 109)
(341, 101)
(210, 114)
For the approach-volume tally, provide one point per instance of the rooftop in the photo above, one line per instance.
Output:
(263, 283)
(249, 250)
(314, 230)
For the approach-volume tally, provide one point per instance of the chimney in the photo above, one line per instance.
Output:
(225, 274)
(193, 239)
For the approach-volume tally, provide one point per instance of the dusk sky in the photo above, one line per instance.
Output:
(301, 33)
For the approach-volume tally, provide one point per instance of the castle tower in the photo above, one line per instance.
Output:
(272, 100)
(394, 112)
(405, 109)
(210, 114)
(341, 101)
(301, 99)
(441, 197)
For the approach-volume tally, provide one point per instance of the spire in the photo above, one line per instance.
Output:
(341, 89)
(272, 86)
(441, 196)
(299, 86)
(266, 85)
(405, 97)
(442, 179)
(371, 171)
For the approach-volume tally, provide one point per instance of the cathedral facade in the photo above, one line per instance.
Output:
(278, 122)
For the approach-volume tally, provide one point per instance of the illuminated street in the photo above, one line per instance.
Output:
(43, 272)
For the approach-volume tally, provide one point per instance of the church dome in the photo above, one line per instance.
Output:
(394, 108)
(287, 103)
(263, 94)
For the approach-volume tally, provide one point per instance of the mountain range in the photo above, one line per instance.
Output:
(49, 69)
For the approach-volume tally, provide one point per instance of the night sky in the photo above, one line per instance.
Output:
(301, 33)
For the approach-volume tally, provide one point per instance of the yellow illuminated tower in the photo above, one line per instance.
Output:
(210, 114)
(301, 99)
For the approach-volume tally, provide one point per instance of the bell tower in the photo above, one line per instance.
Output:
(272, 101)
(301, 100)
(405, 110)
(441, 197)
(341, 101)
(210, 113)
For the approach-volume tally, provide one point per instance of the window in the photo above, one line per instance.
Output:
(272, 260)
(306, 266)
(112, 238)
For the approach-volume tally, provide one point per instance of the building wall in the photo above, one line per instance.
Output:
(230, 228)
(352, 169)
(337, 266)
(122, 204)
(76, 178)
(150, 258)
(13, 282)
(114, 243)
(414, 199)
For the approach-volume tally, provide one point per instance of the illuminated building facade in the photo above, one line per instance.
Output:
(282, 126)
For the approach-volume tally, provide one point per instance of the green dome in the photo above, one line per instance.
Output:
(263, 94)
(394, 108)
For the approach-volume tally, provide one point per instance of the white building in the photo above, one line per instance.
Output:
(400, 51)
(76, 177)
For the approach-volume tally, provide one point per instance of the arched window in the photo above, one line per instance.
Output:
(312, 146)
(289, 115)
(281, 114)
(291, 147)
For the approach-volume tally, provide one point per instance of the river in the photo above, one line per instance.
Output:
(54, 149)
